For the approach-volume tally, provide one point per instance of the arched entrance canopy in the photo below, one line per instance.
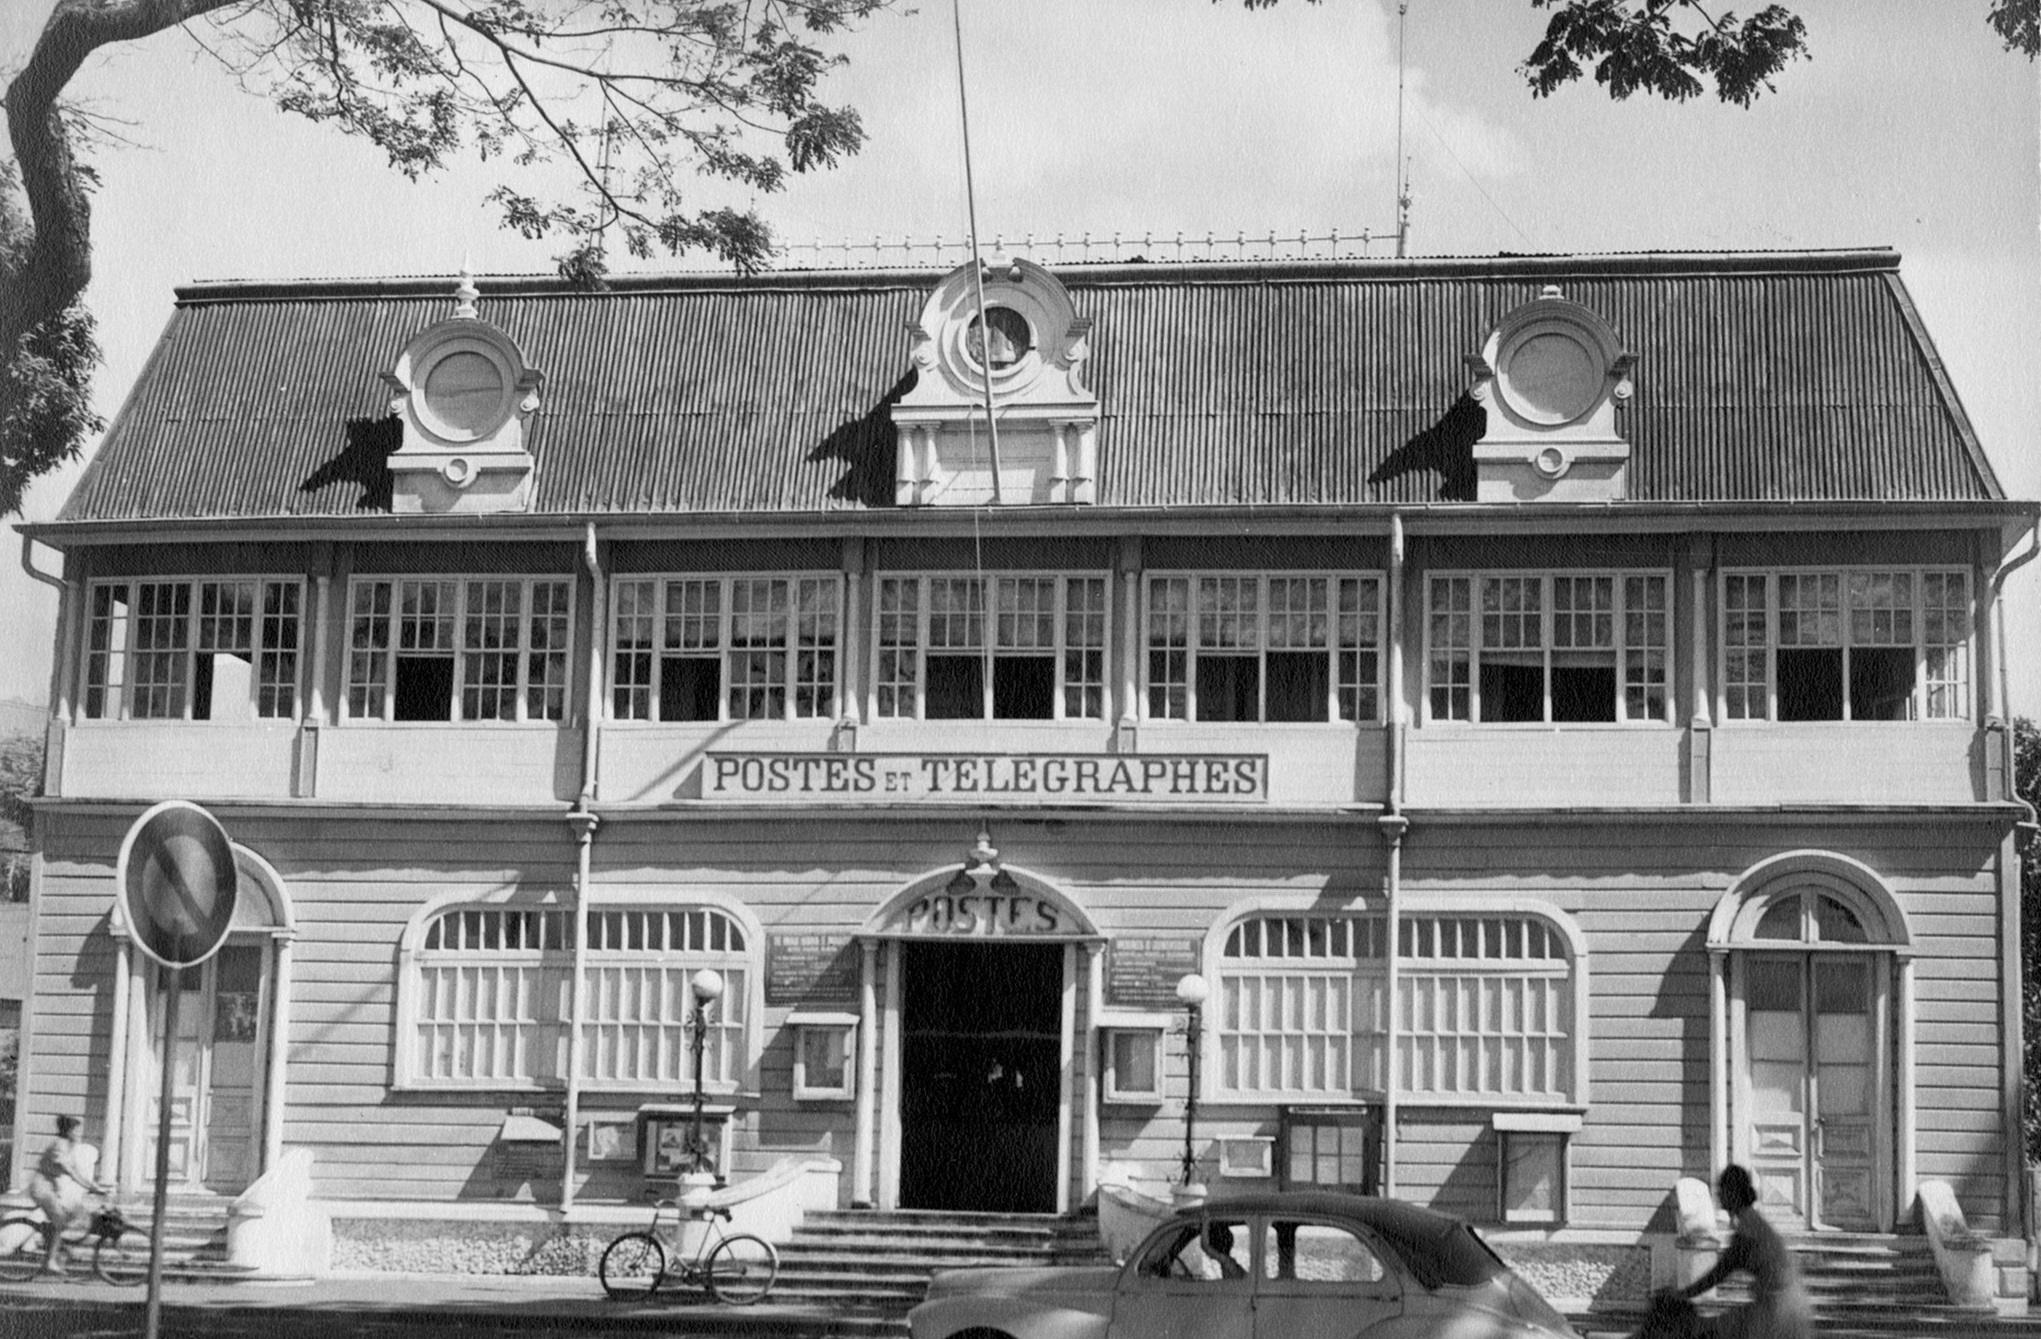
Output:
(982, 900)
(261, 904)
(1740, 918)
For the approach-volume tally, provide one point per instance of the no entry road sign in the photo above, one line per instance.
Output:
(178, 883)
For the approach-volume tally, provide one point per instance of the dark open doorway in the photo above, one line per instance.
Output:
(979, 1027)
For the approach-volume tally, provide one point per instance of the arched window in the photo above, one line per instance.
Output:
(1488, 1011)
(490, 993)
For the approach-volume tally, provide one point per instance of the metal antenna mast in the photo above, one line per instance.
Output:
(977, 264)
(1402, 167)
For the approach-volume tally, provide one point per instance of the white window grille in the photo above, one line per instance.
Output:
(1548, 647)
(443, 649)
(490, 990)
(193, 650)
(991, 648)
(1855, 644)
(724, 648)
(1486, 1009)
(1300, 1006)
(1264, 647)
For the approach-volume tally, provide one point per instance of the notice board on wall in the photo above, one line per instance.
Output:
(1142, 973)
(811, 970)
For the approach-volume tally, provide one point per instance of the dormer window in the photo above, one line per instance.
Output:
(463, 391)
(1009, 334)
(1551, 376)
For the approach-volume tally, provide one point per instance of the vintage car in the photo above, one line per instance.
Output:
(1294, 1264)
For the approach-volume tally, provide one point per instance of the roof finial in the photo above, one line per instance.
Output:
(465, 291)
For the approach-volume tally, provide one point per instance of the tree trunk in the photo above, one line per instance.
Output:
(57, 263)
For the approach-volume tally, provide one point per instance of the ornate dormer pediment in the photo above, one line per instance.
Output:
(462, 389)
(1035, 348)
(1551, 376)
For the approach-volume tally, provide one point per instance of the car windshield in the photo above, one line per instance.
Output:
(1442, 1254)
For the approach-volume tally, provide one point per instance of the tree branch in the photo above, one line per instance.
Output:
(57, 263)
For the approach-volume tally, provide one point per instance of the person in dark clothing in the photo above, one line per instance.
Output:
(1779, 1307)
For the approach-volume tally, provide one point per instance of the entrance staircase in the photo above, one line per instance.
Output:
(194, 1234)
(870, 1268)
(1865, 1285)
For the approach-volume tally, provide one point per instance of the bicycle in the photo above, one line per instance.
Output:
(737, 1269)
(120, 1253)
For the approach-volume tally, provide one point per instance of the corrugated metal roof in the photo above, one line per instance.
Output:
(1770, 377)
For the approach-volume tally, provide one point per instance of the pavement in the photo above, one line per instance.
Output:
(389, 1304)
(383, 1306)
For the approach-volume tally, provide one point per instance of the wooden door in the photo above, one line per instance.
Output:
(216, 1088)
(1812, 1086)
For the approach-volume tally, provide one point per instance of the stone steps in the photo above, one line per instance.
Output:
(1864, 1284)
(870, 1268)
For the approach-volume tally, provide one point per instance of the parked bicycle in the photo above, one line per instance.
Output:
(738, 1269)
(120, 1252)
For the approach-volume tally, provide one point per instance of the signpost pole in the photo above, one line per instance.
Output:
(179, 885)
(173, 988)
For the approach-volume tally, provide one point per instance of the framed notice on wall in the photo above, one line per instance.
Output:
(613, 1139)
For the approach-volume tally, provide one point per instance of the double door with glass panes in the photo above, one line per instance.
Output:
(217, 1074)
(1811, 1096)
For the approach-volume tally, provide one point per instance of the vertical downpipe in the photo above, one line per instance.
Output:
(2012, 1022)
(1393, 826)
(583, 822)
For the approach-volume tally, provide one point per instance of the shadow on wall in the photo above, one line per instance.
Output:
(363, 462)
(92, 978)
(867, 447)
(1683, 997)
(1469, 1186)
(1446, 447)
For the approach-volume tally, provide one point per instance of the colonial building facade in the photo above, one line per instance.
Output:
(1553, 704)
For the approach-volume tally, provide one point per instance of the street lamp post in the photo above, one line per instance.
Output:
(707, 987)
(1192, 992)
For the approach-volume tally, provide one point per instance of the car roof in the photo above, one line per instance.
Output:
(1389, 1215)
(1435, 1247)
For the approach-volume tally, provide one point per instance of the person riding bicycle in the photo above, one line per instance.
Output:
(60, 1183)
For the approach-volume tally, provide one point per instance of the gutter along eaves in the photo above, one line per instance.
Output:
(1369, 517)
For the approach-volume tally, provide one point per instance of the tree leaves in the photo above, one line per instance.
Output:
(633, 98)
(1666, 47)
(45, 380)
(2018, 24)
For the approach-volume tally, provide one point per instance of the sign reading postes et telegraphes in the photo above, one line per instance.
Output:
(987, 778)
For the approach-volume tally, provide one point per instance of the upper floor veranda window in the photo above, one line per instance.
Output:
(193, 650)
(447, 649)
(991, 648)
(1264, 647)
(724, 648)
(1548, 646)
(1860, 644)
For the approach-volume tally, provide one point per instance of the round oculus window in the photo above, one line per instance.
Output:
(1552, 377)
(464, 391)
(1010, 342)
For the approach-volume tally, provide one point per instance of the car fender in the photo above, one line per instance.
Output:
(1019, 1317)
(1459, 1325)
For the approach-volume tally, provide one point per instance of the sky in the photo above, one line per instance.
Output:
(1909, 127)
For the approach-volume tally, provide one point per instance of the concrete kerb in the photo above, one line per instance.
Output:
(508, 1302)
